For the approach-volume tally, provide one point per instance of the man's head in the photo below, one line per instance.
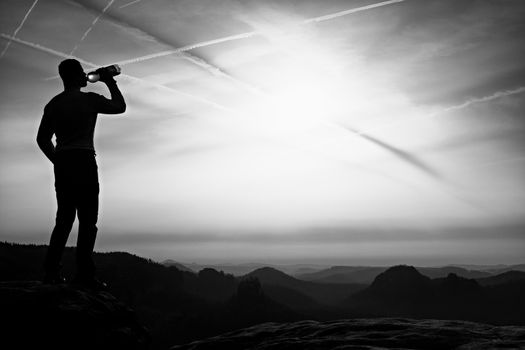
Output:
(72, 74)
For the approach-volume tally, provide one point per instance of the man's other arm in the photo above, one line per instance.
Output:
(116, 104)
(45, 135)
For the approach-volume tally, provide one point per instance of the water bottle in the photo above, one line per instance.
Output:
(111, 71)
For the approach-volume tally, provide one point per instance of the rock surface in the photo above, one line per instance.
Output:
(367, 334)
(38, 316)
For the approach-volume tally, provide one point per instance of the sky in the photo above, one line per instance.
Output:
(282, 131)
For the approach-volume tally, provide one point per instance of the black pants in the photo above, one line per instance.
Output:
(77, 189)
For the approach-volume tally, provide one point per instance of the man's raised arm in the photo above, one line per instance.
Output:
(116, 104)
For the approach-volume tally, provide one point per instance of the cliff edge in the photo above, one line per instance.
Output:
(39, 316)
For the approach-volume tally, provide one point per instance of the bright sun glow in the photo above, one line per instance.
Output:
(311, 94)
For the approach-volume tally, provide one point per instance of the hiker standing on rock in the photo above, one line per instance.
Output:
(71, 116)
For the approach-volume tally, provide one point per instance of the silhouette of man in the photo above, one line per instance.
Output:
(71, 116)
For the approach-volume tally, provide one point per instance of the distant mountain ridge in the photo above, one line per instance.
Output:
(493, 269)
(367, 274)
(344, 274)
(176, 264)
(519, 267)
(348, 274)
(505, 277)
(242, 269)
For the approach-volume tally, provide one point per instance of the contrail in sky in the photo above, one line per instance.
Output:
(214, 70)
(348, 12)
(417, 162)
(91, 27)
(407, 157)
(94, 65)
(468, 103)
(45, 49)
(189, 47)
(254, 33)
(17, 29)
(241, 36)
(129, 3)
(476, 100)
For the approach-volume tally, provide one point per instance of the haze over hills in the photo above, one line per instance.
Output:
(241, 269)
(505, 277)
(178, 265)
(344, 274)
(519, 267)
(348, 274)
(366, 274)
(437, 272)
(322, 293)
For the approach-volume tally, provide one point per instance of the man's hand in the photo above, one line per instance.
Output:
(106, 77)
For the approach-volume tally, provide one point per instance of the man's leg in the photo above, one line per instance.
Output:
(87, 231)
(87, 207)
(64, 222)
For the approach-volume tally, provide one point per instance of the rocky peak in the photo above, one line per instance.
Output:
(401, 279)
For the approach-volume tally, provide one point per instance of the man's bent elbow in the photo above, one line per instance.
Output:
(115, 108)
(119, 108)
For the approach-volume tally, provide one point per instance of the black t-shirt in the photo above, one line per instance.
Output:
(72, 116)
